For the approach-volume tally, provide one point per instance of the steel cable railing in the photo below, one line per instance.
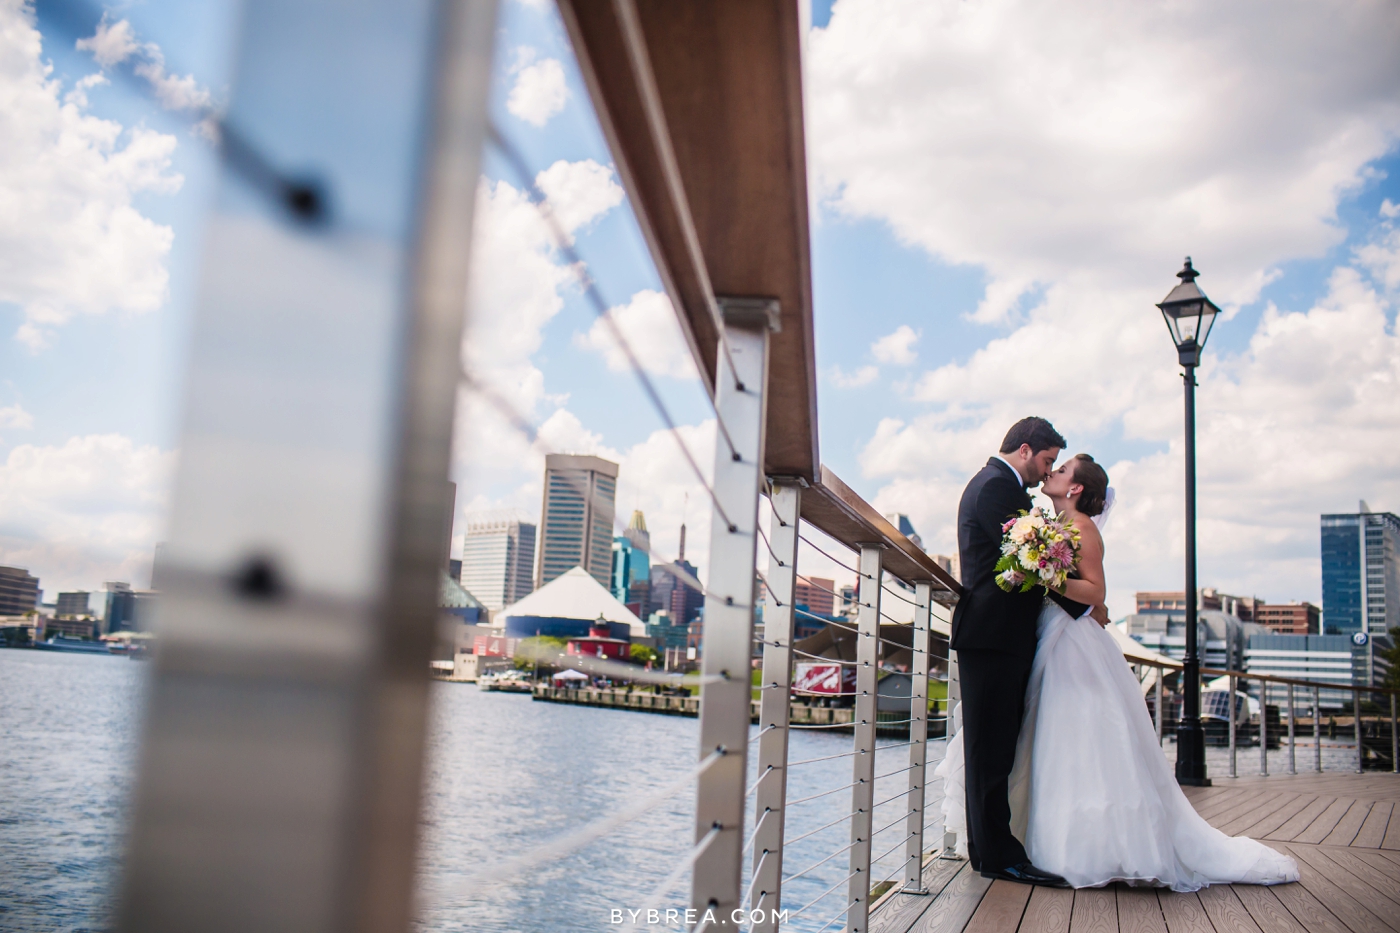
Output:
(600, 307)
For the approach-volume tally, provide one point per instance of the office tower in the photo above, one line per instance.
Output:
(498, 558)
(73, 604)
(19, 592)
(631, 565)
(1293, 618)
(816, 595)
(576, 531)
(905, 527)
(1361, 580)
(120, 614)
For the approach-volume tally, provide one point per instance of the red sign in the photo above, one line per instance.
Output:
(824, 679)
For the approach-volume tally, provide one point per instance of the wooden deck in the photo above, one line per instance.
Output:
(1343, 830)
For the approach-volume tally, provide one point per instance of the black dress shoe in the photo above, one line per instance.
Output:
(1026, 873)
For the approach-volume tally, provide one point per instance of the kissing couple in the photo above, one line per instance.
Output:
(1055, 776)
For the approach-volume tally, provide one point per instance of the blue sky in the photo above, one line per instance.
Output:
(940, 182)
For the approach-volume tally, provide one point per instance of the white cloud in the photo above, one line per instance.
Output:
(14, 416)
(579, 192)
(1381, 256)
(112, 44)
(71, 240)
(1301, 423)
(1075, 160)
(115, 43)
(85, 512)
(1104, 144)
(517, 280)
(540, 90)
(648, 323)
(861, 377)
(896, 348)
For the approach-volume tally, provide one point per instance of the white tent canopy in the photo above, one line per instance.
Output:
(570, 674)
(574, 595)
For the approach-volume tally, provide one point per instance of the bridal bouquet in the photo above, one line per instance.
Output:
(1037, 549)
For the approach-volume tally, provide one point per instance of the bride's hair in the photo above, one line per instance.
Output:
(1092, 477)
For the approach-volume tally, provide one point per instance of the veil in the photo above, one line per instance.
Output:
(1109, 499)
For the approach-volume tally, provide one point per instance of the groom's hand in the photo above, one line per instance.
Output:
(1100, 615)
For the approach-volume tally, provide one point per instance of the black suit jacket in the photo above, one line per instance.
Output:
(986, 616)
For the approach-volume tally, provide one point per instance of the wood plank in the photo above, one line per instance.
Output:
(1276, 819)
(1308, 910)
(1139, 912)
(1095, 911)
(899, 913)
(1184, 913)
(1392, 834)
(1380, 857)
(1373, 830)
(1225, 801)
(1349, 825)
(1300, 822)
(1384, 882)
(1325, 887)
(1246, 817)
(1252, 803)
(1048, 911)
(1266, 909)
(1325, 823)
(1225, 911)
(951, 910)
(1001, 908)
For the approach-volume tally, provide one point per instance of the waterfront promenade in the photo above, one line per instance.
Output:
(1343, 830)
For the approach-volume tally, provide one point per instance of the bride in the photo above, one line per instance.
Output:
(1092, 796)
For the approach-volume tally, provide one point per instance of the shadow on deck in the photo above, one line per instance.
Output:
(1343, 830)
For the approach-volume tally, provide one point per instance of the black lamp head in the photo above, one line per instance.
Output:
(1189, 315)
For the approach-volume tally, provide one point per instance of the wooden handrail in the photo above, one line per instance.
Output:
(1176, 666)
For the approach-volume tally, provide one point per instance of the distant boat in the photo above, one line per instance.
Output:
(506, 682)
(64, 643)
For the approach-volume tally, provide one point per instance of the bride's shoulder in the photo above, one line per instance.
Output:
(1088, 533)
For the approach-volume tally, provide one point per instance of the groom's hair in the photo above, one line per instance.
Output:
(1037, 432)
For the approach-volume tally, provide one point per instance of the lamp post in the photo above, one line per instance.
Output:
(1189, 315)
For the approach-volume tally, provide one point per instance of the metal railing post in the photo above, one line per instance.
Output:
(281, 762)
(1356, 729)
(1292, 757)
(950, 840)
(1394, 739)
(775, 702)
(1230, 714)
(1317, 729)
(1264, 728)
(863, 771)
(1161, 675)
(918, 739)
(740, 401)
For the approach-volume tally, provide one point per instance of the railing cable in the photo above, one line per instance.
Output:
(600, 308)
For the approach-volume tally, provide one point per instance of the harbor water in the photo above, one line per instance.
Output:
(505, 776)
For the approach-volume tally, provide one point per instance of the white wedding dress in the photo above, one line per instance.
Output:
(1092, 796)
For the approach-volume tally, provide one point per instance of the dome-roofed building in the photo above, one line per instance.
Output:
(567, 607)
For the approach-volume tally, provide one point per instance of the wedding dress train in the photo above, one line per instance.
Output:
(1092, 796)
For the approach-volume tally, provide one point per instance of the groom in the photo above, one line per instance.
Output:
(994, 635)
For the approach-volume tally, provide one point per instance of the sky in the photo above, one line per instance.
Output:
(1001, 192)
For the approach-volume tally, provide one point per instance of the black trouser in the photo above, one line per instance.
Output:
(993, 699)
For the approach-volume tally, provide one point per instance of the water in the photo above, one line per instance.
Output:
(68, 724)
(505, 774)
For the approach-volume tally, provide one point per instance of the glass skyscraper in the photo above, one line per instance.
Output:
(1361, 576)
(498, 558)
(580, 495)
(631, 564)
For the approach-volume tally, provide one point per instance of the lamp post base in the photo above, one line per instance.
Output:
(1191, 754)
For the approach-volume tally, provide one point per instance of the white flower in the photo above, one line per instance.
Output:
(1048, 574)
